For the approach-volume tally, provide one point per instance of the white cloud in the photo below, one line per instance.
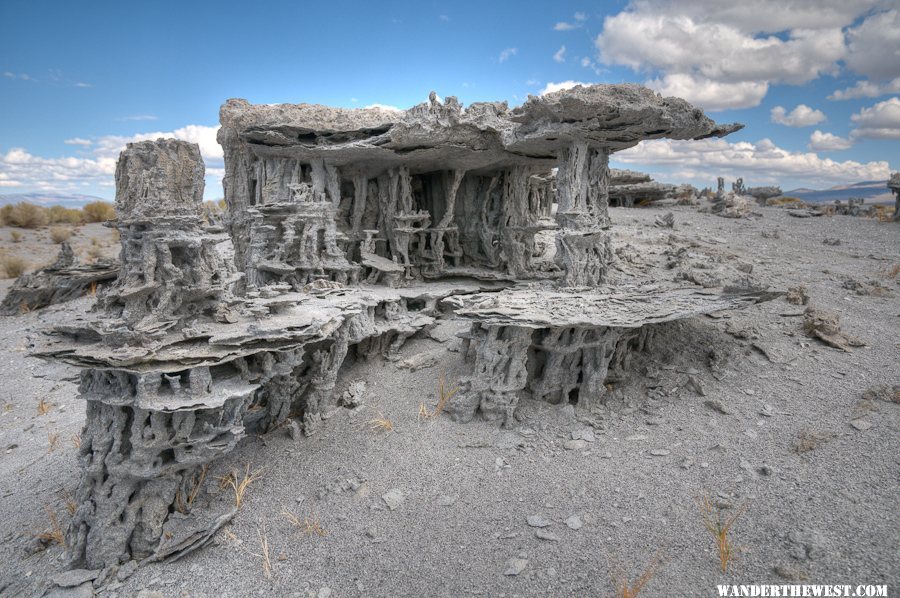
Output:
(730, 53)
(551, 87)
(826, 142)
(532, 82)
(866, 89)
(763, 161)
(69, 173)
(560, 55)
(384, 107)
(874, 46)
(580, 16)
(507, 54)
(78, 141)
(801, 116)
(881, 121)
(711, 95)
(566, 26)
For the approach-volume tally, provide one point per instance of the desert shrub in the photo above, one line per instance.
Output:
(12, 266)
(26, 215)
(58, 234)
(15, 236)
(98, 211)
(63, 215)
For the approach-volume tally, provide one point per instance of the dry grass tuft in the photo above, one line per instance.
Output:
(444, 395)
(55, 533)
(719, 527)
(807, 441)
(76, 440)
(381, 424)
(629, 589)
(58, 234)
(184, 503)
(239, 485)
(892, 272)
(53, 440)
(15, 236)
(43, 407)
(13, 266)
(264, 547)
(310, 525)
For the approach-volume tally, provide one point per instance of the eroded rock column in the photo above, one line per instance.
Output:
(583, 248)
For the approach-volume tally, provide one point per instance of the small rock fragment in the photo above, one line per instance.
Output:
(861, 424)
(574, 445)
(538, 521)
(574, 522)
(543, 534)
(515, 566)
(660, 452)
(393, 498)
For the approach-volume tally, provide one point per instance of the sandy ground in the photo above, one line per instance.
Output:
(88, 241)
(827, 515)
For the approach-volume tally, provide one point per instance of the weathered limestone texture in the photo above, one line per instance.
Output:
(349, 228)
(63, 280)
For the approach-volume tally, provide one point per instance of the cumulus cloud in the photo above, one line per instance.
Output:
(507, 53)
(551, 87)
(826, 142)
(560, 55)
(18, 167)
(873, 47)
(762, 161)
(866, 89)
(384, 107)
(801, 116)
(711, 95)
(881, 121)
(711, 50)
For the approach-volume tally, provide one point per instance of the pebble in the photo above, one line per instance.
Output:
(75, 577)
(660, 452)
(445, 501)
(393, 498)
(324, 593)
(574, 445)
(717, 406)
(516, 565)
(586, 435)
(543, 534)
(574, 522)
(538, 521)
(861, 424)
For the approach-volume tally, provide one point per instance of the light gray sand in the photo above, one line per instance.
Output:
(828, 515)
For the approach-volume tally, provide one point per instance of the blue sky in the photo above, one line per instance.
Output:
(80, 79)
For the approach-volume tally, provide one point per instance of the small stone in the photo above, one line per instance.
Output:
(538, 521)
(586, 435)
(574, 522)
(543, 534)
(767, 411)
(515, 566)
(75, 577)
(372, 533)
(789, 572)
(717, 406)
(445, 501)
(660, 452)
(574, 445)
(293, 430)
(861, 424)
(324, 593)
(393, 498)
(765, 470)
(126, 570)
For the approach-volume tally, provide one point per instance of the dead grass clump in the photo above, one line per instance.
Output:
(53, 441)
(98, 211)
(76, 440)
(381, 424)
(55, 533)
(309, 525)
(43, 407)
(239, 485)
(15, 236)
(95, 252)
(719, 527)
(626, 588)
(13, 266)
(444, 394)
(58, 234)
(25, 215)
(807, 441)
(184, 502)
(892, 272)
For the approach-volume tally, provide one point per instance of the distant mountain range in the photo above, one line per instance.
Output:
(69, 200)
(871, 191)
